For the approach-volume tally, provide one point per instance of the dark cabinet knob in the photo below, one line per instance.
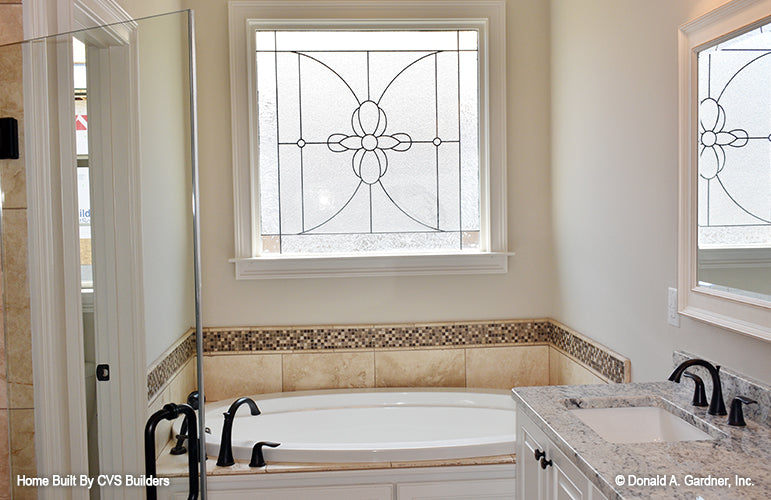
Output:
(539, 454)
(545, 463)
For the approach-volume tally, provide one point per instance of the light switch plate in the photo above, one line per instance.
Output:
(673, 317)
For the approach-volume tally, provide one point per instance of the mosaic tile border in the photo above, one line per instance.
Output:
(159, 374)
(611, 365)
(374, 337)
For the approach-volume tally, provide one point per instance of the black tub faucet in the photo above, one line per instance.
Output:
(225, 457)
(179, 448)
(716, 404)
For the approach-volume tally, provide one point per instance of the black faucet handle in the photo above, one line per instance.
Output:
(258, 460)
(699, 394)
(193, 400)
(736, 417)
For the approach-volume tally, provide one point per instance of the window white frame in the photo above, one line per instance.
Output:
(488, 16)
(748, 315)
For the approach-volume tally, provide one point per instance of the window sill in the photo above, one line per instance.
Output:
(371, 265)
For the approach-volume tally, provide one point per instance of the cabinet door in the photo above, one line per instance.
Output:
(596, 494)
(368, 492)
(488, 489)
(531, 480)
(566, 481)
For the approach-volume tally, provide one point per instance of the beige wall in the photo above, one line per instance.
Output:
(144, 8)
(167, 228)
(614, 184)
(526, 291)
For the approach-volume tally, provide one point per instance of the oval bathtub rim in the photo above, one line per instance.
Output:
(394, 397)
(506, 402)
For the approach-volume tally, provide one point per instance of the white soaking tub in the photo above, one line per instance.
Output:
(370, 425)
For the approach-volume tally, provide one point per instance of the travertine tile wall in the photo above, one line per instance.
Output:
(17, 424)
(480, 354)
(232, 375)
(237, 374)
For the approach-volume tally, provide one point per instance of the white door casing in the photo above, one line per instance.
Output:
(54, 279)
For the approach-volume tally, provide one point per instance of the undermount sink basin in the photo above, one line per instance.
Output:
(640, 424)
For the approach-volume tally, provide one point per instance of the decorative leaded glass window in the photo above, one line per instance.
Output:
(735, 142)
(367, 140)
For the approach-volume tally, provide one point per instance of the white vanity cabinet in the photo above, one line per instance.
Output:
(552, 475)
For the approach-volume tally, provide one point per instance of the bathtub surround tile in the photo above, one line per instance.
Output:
(334, 370)
(420, 368)
(496, 459)
(563, 370)
(278, 467)
(184, 381)
(609, 364)
(238, 468)
(176, 466)
(232, 376)
(377, 339)
(507, 367)
(170, 362)
(733, 384)
(613, 366)
(377, 336)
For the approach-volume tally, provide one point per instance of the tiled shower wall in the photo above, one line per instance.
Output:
(17, 424)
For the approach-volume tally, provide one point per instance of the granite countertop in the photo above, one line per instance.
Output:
(736, 451)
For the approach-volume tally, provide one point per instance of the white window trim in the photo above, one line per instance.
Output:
(491, 15)
(743, 314)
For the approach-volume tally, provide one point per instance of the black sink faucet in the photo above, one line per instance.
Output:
(716, 404)
(225, 457)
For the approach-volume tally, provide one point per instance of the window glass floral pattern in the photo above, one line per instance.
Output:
(734, 142)
(368, 141)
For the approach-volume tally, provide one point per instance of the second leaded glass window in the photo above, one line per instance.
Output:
(368, 141)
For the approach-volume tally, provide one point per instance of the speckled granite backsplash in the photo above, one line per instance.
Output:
(734, 384)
